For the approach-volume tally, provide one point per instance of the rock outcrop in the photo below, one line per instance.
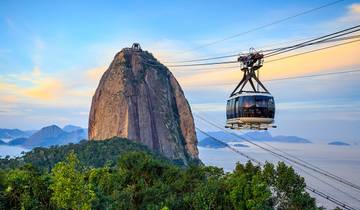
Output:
(138, 98)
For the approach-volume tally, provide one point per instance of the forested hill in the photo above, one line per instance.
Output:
(90, 154)
(121, 174)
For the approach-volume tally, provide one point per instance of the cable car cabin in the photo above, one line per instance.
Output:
(250, 111)
(254, 108)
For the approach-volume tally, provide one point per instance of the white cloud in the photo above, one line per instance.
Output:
(351, 16)
(94, 74)
(209, 107)
(319, 106)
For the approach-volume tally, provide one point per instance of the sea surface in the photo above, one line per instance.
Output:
(343, 161)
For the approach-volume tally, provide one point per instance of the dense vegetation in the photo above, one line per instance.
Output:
(90, 154)
(143, 180)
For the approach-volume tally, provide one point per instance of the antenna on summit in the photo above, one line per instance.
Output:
(136, 47)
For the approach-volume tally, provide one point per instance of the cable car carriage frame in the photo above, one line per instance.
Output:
(254, 108)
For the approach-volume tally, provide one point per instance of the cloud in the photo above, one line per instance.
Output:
(45, 89)
(95, 74)
(36, 72)
(6, 86)
(209, 107)
(74, 88)
(206, 79)
(320, 106)
(9, 99)
(172, 50)
(33, 85)
(343, 57)
(351, 16)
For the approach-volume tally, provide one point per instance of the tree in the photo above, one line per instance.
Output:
(210, 195)
(70, 189)
(290, 189)
(248, 189)
(142, 180)
(27, 188)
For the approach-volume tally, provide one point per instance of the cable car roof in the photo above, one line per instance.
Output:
(250, 94)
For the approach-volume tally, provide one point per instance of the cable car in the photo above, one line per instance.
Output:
(254, 108)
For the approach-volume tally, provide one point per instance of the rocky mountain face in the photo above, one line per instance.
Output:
(138, 98)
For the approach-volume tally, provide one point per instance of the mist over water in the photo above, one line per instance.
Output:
(12, 151)
(343, 161)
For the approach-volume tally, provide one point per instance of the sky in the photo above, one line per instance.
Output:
(53, 53)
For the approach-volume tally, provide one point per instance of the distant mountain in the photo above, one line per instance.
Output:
(75, 136)
(45, 137)
(240, 145)
(255, 136)
(210, 143)
(259, 135)
(338, 143)
(71, 128)
(54, 135)
(10, 134)
(17, 142)
(290, 139)
(217, 134)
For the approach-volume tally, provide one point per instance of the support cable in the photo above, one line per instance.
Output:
(265, 25)
(332, 37)
(311, 189)
(230, 62)
(348, 183)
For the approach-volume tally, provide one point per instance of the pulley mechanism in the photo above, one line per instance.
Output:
(250, 63)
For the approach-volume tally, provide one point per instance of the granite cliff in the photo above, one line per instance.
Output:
(138, 98)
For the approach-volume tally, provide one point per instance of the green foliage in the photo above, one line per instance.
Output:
(90, 154)
(25, 188)
(248, 188)
(139, 179)
(289, 187)
(69, 187)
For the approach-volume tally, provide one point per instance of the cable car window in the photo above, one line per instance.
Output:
(240, 106)
(236, 107)
(232, 108)
(251, 106)
(271, 104)
(227, 109)
(249, 101)
(261, 101)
